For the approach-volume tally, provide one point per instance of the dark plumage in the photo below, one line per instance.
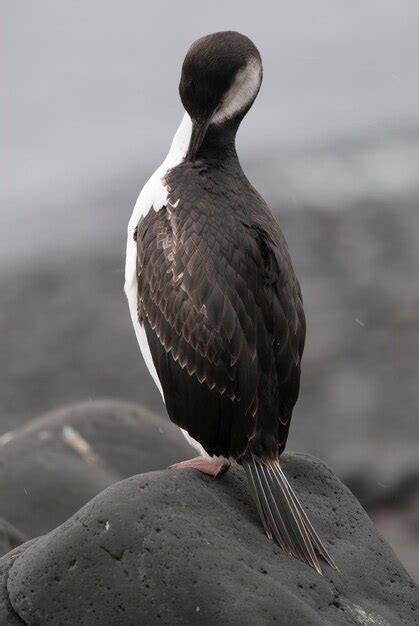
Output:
(229, 334)
(218, 297)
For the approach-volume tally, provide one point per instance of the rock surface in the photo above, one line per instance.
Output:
(176, 547)
(57, 463)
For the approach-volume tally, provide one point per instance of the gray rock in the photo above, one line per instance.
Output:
(176, 547)
(57, 463)
(10, 537)
(7, 614)
(400, 527)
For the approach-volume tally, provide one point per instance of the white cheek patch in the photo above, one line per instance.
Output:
(241, 93)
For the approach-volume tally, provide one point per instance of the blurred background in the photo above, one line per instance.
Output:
(89, 105)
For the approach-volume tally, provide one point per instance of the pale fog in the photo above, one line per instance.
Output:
(89, 105)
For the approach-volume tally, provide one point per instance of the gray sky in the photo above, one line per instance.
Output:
(89, 97)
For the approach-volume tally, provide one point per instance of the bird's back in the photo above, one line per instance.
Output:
(221, 308)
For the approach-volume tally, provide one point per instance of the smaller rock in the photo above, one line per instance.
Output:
(8, 617)
(56, 463)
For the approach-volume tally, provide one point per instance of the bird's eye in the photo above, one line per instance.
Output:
(135, 233)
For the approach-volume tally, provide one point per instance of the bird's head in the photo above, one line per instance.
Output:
(221, 77)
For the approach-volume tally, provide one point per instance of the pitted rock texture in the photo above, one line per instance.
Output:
(7, 614)
(47, 473)
(175, 547)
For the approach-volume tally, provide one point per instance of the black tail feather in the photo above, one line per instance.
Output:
(315, 539)
(282, 514)
(250, 471)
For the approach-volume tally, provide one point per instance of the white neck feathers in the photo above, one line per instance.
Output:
(180, 143)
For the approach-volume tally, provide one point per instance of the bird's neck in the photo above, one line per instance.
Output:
(219, 143)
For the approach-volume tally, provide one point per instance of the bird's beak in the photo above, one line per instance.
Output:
(199, 128)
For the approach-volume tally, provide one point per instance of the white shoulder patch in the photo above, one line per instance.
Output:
(154, 193)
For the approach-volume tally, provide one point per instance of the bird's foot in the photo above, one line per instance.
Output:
(212, 466)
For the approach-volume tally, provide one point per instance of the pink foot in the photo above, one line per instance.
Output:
(213, 466)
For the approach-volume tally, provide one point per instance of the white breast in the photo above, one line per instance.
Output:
(153, 196)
